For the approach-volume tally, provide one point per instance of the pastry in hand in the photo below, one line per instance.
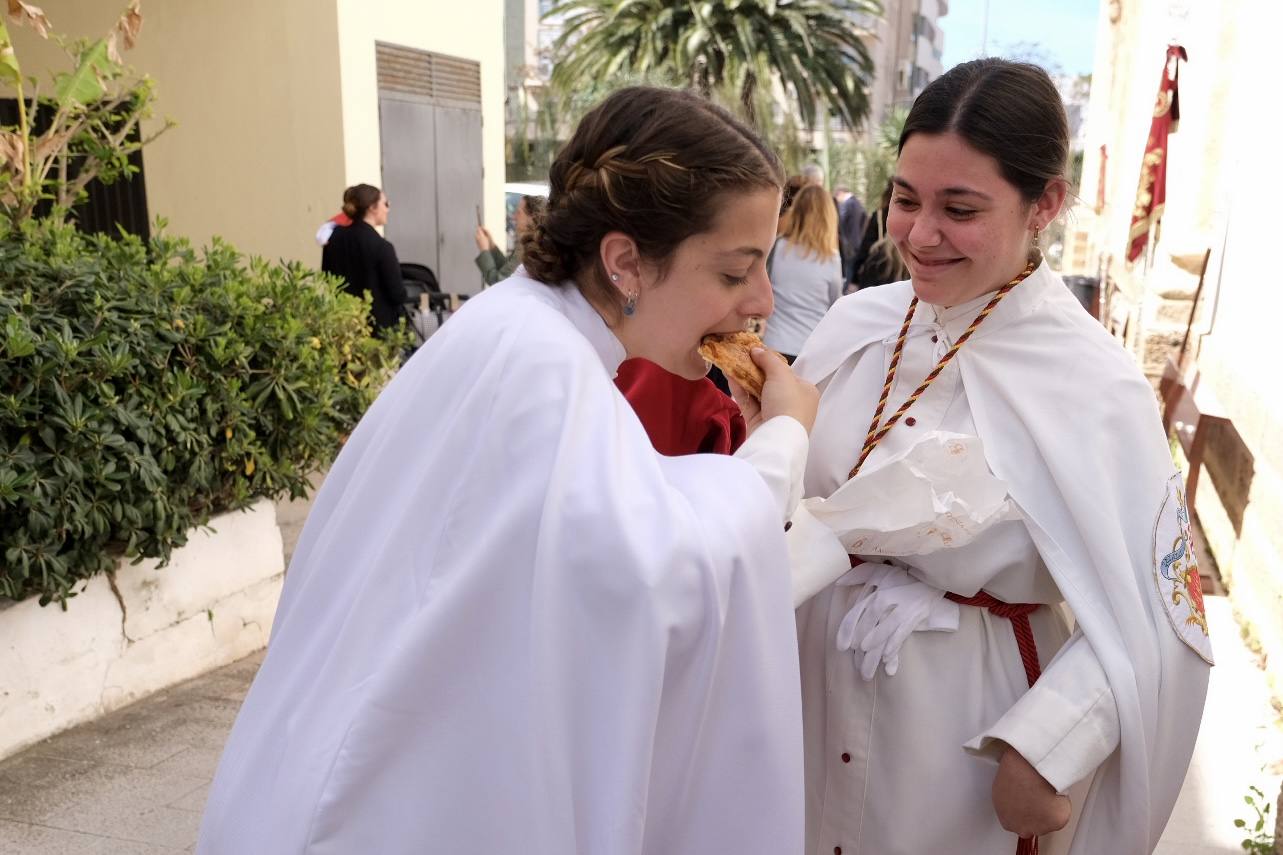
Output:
(731, 353)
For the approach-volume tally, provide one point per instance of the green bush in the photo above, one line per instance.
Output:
(145, 387)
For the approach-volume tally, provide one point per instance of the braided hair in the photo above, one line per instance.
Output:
(652, 163)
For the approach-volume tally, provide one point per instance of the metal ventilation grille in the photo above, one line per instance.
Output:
(439, 79)
(456, 81)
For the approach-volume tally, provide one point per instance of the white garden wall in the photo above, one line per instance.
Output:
(211, 605)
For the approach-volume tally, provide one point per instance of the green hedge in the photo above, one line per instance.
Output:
(145, 387)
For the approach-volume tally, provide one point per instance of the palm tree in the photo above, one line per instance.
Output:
(813, 48)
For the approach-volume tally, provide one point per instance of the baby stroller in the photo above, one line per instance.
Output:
(426, 306)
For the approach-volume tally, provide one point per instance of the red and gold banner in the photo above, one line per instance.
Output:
(1152, 192)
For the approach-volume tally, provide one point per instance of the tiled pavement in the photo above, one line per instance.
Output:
(134, 782)
(131, 783)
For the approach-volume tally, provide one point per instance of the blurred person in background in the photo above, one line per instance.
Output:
(851, 221)
(364, 259)
(806, 270)
(791, 186)
(337, 221)
(877, 261)
(493, 264)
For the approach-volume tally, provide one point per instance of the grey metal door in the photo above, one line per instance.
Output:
(407, 127)
(459, 197)
(430, 127)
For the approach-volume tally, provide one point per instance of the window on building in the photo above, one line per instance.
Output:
(866, 20)
(923, 28)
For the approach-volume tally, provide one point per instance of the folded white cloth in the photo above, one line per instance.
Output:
(935, 495)
(891, 606)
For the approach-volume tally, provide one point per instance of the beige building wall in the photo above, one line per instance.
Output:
(442, 26)
(1243, 518)
(276, 104)
(895, 55)
(1222, 184)
(257, 153)
(1129, 59)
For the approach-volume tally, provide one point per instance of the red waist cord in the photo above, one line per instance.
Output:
(1018, 614)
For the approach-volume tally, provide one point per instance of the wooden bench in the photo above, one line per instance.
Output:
(1190, 412)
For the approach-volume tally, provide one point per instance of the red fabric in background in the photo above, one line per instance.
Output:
(681, 416)
(1151, 195)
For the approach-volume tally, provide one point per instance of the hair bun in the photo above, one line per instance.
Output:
(541, 256)
(359, 199)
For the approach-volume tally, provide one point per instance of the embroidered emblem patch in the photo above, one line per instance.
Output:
(1176, 571)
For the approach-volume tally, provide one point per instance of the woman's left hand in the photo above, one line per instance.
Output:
(1026, 804)
(484, 241)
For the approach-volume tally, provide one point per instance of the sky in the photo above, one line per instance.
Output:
(1058, 32)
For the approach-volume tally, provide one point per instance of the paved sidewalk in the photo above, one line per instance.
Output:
(1239, 744)
(131, 783)
(134, 782)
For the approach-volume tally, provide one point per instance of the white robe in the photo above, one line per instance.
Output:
(511, 626)
(1068, 422)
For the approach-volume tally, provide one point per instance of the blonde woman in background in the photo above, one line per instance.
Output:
(806, 270)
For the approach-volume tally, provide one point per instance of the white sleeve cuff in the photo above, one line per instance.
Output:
(777, 450)
(817, 558)
(1066, 725)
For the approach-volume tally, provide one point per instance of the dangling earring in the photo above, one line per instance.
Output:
(630, 305)
(1036, 232)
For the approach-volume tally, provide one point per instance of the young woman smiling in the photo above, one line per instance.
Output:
(948, 705)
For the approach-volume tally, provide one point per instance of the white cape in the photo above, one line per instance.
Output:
(1069, 422)
(511, 626)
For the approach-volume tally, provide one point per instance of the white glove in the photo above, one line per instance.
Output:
(892, 605)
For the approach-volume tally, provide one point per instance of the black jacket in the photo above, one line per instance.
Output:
(877, 261)
(851, 222)
(367, 262)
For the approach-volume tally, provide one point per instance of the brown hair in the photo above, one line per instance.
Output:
(791, 186)
(811, 223)
(1008, 110)
(534, 205)
(649, 162)
(359, 199)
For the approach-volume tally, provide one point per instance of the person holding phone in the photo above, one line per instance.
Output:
(493, 264)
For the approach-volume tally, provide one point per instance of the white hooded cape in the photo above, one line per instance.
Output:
(511, 626)
(1069, 422)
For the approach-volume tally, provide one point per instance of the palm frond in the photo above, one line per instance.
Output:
(813, 48)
